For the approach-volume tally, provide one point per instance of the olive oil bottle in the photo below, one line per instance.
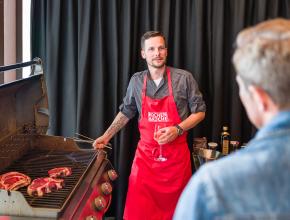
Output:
(225, 140)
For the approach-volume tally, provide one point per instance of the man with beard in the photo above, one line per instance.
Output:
(252, 183)
(170, 98)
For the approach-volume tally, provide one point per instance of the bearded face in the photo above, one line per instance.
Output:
(155, 52)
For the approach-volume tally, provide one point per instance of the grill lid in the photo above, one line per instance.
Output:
(24, 101)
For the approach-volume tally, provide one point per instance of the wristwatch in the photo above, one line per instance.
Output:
(179, 130)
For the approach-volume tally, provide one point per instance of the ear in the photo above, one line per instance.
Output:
(261, 98)
(143, 54)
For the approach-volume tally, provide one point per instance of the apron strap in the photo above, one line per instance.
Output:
(169, 81)
(144, 86)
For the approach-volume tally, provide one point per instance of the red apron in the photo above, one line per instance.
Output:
(154, 186)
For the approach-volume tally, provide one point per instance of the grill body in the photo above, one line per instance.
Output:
(77, 199)
(25, 147)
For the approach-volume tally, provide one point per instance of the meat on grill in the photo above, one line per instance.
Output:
(43, 185)
(13, 181)
(60, 172)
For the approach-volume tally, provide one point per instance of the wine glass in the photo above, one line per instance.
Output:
(156, 137)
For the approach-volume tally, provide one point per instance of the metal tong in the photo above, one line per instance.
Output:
(88, 140)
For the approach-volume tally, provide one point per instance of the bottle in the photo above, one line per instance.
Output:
(225, 140)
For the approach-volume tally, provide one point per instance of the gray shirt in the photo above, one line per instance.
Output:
(186, 94)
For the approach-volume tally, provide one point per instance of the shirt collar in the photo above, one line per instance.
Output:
(149, 76)
(281, 121)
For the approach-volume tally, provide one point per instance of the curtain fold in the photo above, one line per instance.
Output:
(91, 48)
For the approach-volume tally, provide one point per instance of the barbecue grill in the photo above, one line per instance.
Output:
(25, 148)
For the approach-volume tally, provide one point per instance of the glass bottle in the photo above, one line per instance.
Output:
(225, 140)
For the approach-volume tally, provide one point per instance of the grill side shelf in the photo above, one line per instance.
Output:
(14, 204)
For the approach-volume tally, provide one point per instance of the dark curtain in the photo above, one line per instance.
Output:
(91, 48)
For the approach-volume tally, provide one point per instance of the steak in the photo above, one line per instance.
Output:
(13, 181)
(60, 172)
(43, 185)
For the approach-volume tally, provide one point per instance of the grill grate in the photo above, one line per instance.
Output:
(36, 163)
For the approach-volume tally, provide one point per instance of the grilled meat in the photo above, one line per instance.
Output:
(60, 172)
(43, 185)
(13, 181)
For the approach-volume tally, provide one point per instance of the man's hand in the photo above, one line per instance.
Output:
(167, 135)
(100, 142)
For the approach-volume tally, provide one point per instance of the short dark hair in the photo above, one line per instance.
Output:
(150, 34)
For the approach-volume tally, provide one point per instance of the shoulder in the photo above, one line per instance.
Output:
(182, 76)
(215, 186)
(241, 168)
(138, 77)
(210, 184)
(229, 167)
(208, 187)
(180, 72)
(139, 74)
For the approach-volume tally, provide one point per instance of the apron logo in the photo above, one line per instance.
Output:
(157, 116)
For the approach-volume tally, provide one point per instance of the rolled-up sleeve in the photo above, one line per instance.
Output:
(128, 107)
(195, 99)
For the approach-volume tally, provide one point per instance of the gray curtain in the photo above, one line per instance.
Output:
(90, 49)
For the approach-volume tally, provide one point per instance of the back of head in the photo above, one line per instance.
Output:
(262, 58)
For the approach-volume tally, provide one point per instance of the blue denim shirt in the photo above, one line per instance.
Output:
(253, 183)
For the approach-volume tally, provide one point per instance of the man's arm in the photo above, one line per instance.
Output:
(119, 122)
(171, 133)
(192, 120)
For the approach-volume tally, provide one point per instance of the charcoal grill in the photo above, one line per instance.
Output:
(25, 147)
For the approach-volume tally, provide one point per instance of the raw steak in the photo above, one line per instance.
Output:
(60, 172)
(43, 185)
(13, 180)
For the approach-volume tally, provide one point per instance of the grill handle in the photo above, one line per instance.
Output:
(35, 61)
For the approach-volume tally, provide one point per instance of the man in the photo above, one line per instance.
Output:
(252, 183)
(163, 96)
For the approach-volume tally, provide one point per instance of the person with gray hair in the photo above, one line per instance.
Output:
(252, 183)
